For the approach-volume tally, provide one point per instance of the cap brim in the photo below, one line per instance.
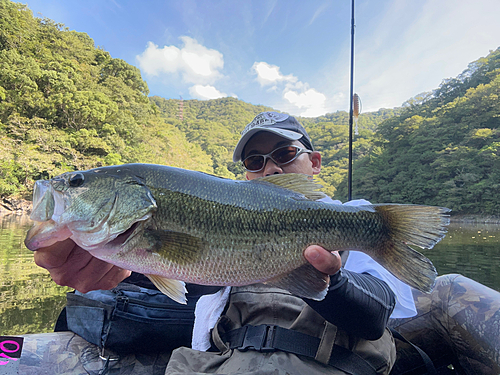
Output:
(288, 134)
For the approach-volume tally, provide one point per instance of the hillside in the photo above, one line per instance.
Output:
(444, 150)
(214, 125)
(67, 105)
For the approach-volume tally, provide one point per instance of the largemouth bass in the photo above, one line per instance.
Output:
(177, 226)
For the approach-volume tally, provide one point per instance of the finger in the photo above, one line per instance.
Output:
(54, 256)
(84, 272)
(323, 260)
(101, 275)
(70, 265)
(70, 272)
(115, 276)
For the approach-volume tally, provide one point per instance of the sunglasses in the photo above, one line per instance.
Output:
(281, 156)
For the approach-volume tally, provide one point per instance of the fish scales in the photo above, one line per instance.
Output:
(277, 237)
(174, 224)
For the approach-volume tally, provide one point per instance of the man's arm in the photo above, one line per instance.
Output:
(359, 303)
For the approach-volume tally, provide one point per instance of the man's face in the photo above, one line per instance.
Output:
(265, 142)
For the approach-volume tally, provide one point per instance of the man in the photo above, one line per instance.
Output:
(345, 333)
(356, 309)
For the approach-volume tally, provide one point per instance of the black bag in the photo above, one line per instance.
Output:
(129, 319)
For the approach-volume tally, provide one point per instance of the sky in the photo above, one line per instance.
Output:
(291, 55)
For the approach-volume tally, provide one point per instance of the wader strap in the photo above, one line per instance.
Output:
(268, 338)
(431, 370)
(325, 348)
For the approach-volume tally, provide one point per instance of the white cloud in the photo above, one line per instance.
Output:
(196, 63)
(308, 101)
(311, 100)
(205, 92)
(154, 61)
(270, 74)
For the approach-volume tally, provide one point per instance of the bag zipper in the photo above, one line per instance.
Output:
(125, 301)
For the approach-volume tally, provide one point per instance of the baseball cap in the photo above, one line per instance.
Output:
(281, 124)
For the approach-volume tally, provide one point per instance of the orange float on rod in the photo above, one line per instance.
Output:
(356, 110)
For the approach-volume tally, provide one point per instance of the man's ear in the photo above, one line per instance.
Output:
(315, 158)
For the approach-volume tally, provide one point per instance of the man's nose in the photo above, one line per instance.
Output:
(271, 168)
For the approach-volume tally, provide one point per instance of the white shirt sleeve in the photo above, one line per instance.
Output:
(360, 262)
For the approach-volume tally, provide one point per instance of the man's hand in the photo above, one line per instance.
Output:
(70, 265)
(323, 260)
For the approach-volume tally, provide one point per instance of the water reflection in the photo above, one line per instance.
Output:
(472, 250)
(30, 301)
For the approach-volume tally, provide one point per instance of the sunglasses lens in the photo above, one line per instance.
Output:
(254, 163)
(280, 156)
(284, 155)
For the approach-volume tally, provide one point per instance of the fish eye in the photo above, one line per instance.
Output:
(76, 180)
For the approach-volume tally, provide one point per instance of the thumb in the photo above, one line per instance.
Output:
(323, 260)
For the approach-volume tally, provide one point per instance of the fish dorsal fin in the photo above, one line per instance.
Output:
(297, 182)
(174, 289)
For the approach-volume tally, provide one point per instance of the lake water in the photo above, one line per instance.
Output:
(30, 301)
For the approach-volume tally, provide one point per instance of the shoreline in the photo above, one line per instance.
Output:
(15, 206)
(475, 219)
(19, 206)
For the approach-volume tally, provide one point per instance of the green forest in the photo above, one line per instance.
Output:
(66, 105)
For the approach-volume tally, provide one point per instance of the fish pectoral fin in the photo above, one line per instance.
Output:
(305, 281)
(174, 289)
(179, 247)
(299, 183)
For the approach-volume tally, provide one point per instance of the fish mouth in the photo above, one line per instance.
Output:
(47, 233)
(44, 234)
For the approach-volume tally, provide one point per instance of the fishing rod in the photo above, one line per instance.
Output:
(349, 171)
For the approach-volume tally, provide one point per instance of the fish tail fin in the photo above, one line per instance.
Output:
(422, 226)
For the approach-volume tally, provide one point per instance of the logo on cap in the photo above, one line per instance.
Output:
(265, 119)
